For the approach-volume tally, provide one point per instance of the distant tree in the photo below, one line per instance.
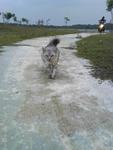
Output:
(8, 16)
(3, 17)
(110, 8)
(38, 22)
(13, 15)
(66, 20)
(27, 21)
(15, 19)
(47, 21)
(24, 20)
(42, 22)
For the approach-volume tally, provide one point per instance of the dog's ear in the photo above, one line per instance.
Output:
(43, 49)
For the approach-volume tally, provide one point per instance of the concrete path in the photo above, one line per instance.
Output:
(72, 112)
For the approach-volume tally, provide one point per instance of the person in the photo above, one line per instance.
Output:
(102, 20)
(101, 27)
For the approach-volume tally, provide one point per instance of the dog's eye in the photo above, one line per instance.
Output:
(46, 55)
(52, 55)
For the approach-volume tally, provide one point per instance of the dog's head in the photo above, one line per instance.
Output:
(49, 53)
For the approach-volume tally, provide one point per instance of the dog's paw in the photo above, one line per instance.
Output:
(51, 77)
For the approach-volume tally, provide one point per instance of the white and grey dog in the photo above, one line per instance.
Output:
(50, 57)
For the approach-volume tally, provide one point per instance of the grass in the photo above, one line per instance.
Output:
(99, 50)
(13, 33)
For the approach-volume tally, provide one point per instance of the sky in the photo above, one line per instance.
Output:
(79, 11)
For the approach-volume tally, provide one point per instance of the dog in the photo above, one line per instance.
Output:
(50, 56)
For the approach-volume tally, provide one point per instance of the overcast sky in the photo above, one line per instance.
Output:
(79, 11)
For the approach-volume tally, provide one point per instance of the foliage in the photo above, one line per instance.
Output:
(8, 15)
(25, 20)
(109, 5)
(15, 19)
(40, 22)
(110, 8)
(66, 20)
(47, 21)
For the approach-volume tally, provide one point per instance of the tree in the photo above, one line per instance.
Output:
(40, 22)
(47, 21)
(3, 16)
(7, 16)
(66, 20)
(110, 8)
(25, 20)
(15, 19)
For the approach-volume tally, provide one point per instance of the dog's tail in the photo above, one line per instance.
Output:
(54, 42)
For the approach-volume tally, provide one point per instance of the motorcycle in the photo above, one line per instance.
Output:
(101, 27)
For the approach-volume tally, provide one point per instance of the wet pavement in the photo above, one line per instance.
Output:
(72, 112)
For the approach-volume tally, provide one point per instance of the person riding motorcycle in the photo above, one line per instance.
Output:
(101, 27)
(102, 20)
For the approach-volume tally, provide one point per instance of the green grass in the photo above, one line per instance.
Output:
(13, 33)
(99, 50)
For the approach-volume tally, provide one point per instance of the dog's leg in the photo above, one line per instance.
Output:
(50, 71)
(54, 72)
(50, 76)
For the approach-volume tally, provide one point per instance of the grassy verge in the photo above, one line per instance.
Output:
(13, 33)
(99, 50)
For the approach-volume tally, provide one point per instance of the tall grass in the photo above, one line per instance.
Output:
(99, 50)
(14, 33)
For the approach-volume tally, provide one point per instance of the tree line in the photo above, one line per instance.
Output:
(9, 16)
